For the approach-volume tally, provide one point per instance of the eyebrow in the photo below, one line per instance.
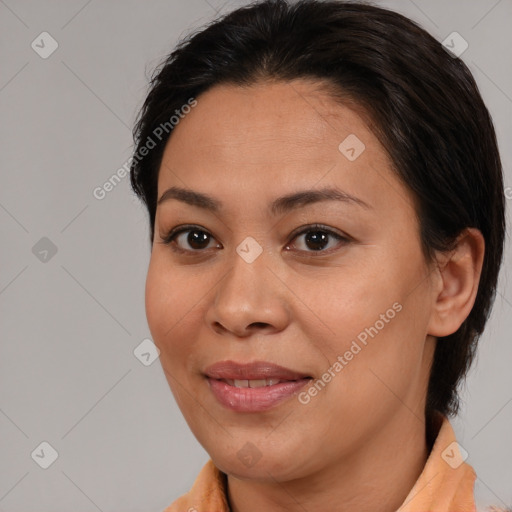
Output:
(279, 206)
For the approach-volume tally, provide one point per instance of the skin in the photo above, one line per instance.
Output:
(298, 307)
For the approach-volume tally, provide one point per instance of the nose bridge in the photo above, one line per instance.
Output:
(249, 294)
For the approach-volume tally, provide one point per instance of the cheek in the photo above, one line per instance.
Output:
(167, 305)
(166, 301)
(350, 301)
(378, 317)
(175, 309)
(390, 368)
(157, 300)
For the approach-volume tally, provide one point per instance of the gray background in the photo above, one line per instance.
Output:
(70, 324)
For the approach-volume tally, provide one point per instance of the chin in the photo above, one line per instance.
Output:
(266, 464)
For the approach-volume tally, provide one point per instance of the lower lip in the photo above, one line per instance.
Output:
(254, 399)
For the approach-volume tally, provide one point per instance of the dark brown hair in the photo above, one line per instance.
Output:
(425, 109)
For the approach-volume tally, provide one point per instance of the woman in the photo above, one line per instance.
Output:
(326, 207)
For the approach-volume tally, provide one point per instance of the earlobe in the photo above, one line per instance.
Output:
(459, 271)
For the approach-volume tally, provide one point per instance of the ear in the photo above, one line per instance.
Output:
(459, 275)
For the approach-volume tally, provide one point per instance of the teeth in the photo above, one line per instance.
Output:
(256, 383)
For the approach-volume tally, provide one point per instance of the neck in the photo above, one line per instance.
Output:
(377, 476)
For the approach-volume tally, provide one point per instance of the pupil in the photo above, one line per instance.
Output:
(194, 239)
(317, 237)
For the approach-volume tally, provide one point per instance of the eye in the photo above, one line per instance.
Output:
(317, 237)
(193, 236)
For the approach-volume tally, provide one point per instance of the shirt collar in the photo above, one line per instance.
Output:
(446, 482)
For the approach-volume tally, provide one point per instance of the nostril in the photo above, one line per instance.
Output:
(258, 324)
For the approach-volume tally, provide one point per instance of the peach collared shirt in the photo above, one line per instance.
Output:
(446, 483)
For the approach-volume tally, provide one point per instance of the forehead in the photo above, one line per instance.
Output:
(230, 120)
(271, 137)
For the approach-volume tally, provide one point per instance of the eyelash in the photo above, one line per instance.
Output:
(169, 238)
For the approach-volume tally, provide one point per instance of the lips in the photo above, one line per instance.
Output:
(255, 371)
(253, 387)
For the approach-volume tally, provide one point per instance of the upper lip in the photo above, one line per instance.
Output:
(255, 370)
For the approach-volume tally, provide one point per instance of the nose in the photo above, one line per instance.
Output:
(249, 298)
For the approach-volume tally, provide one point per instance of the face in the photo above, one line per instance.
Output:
(330, 283)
